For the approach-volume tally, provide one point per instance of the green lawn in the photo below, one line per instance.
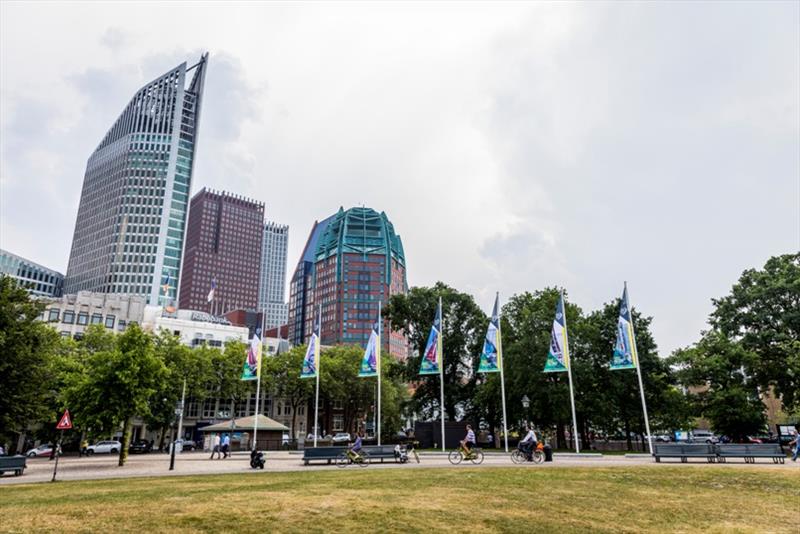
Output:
(675, 498)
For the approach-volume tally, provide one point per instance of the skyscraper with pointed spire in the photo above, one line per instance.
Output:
(129, 232)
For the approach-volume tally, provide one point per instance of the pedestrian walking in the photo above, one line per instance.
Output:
(226, 445)
(84, 450)
(796, 442)
(215, 447)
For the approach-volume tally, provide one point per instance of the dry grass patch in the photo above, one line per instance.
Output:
(680, 498)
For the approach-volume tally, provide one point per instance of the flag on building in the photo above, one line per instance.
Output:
(165, 283)
(558, 355)
(492, 345)
(372, 355)
(625, 356)
(213, 288)
(311, 360)
(252, 363)
(432, 357)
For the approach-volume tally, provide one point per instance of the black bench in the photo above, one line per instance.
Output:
(751, 451)
(322, 453)
(684, 451)
(13, 463)
(380, 451)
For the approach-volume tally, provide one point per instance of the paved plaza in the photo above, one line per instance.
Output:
(198, 463)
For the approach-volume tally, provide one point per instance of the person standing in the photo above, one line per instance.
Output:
(84, 447)
(796, 442)
(215, 447)
(226, 445)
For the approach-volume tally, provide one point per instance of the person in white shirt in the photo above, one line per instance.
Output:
(215, 447)
(529, 442)
(469, 441)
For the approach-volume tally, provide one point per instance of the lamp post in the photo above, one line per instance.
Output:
(178, 413)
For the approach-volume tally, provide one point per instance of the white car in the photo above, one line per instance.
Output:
(341, 437)
(104, 447)
(41, 450)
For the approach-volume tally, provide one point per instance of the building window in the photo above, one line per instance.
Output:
(97, 318)
(110, 321)
(337, 405)
(121, 324)
(338, 422)
(287, 410)
(83, 318)
(53, 315)
(301, 410)
(68, 317)
(64, 333)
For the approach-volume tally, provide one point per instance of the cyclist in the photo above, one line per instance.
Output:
(468, 442)
(356, 448)
(529, 443)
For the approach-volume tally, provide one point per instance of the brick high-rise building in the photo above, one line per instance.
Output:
(223, 243)
(351, 261)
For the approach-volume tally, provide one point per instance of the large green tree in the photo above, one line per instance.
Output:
(763, 313)
(281, 377)
(26, 347)
(724, 391)
(463, 332)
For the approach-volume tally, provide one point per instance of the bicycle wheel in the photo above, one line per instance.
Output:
(342, 460)
(455, 457)
(518, 457)
(416, 456)
(364, 461)
(538, 457)
(477, 456)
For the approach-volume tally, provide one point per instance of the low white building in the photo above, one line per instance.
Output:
(72, 314)
(194, 327)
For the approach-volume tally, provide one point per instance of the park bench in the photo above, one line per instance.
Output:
(321, 453)
(750, 451)
(684, 451)
(382, 452)
(12, 463)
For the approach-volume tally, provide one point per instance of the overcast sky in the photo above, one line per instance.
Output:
(513, 146)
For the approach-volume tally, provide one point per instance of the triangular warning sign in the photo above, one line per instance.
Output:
(66, 421)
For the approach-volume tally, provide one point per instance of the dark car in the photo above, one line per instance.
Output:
(140, 447)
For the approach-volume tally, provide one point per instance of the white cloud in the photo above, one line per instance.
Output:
(512, 145)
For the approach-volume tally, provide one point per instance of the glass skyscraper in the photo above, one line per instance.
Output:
(129, 232)
(272, 289)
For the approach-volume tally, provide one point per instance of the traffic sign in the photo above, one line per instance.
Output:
(65, 423)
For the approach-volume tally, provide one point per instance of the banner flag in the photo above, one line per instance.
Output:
(311, 360)
(369, 364)
(490, 357)
(252, 363)
(625, 356)
(432, 357)
(213, 288)
(558, 355)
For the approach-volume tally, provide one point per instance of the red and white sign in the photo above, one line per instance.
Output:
(65, 423)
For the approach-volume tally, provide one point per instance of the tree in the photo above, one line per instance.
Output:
(281, 375)
(763, 313)
(725, 393)
(26, 346)
(463, 331)
(118, 383)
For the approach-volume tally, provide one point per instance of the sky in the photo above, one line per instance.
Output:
(514, 146)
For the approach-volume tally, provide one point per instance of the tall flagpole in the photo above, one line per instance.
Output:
(380, 340)
(639, 374)
(258, 385)
(502, 376)
(569, 373)
(317, 350)
(441, 367)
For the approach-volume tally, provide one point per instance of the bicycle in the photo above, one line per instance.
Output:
(519, 456)
(456, 456)
(412, 447)
(348, 457)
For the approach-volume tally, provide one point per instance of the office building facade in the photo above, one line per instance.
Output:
(272, 287)
(38, 280)
(223, 246)
(129, 232)
(72, 314)
(358, 261)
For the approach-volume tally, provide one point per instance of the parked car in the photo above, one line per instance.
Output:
(140, 447)
(700, 436)
(753, 439)
(42, 450)
(186, 444)
(661, 438)
(104, 447)
(341, 437)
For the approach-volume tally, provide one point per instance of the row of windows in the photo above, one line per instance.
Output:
(83, 318)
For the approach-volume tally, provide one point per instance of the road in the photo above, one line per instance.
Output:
(198, 463)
